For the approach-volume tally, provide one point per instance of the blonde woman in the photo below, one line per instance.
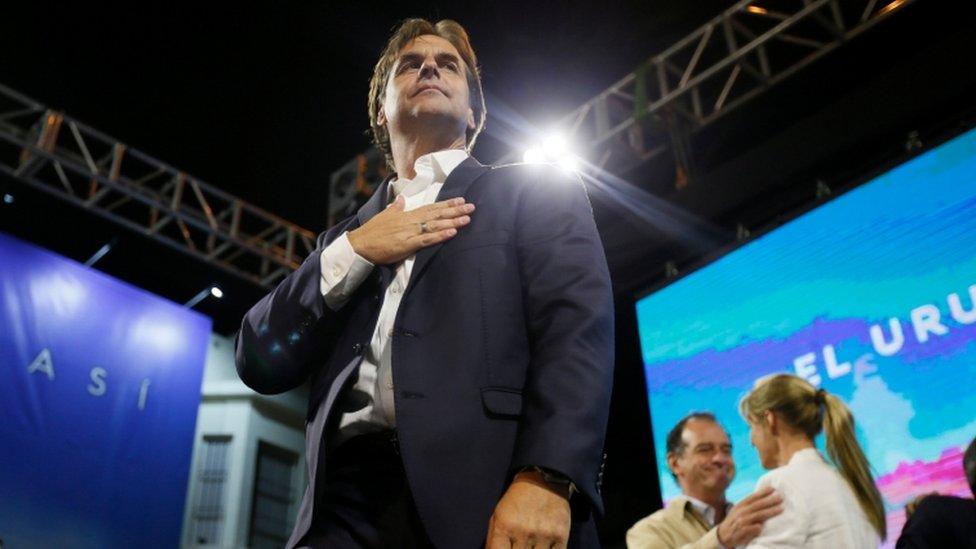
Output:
(823, 507)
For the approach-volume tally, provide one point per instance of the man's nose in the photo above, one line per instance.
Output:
(429, 68)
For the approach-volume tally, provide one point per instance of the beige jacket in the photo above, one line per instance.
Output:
(677, 525)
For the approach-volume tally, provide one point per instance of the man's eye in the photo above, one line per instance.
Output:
(452, 67)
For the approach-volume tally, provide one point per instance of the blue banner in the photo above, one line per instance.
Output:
(98, 403)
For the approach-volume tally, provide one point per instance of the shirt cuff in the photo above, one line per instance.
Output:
(343, 270)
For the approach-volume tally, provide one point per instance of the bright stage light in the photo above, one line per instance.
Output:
(534, 156)
(216, 292)
(554, 145)
(554, 149)
(569, 163)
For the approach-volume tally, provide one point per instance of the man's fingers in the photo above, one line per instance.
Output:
(434, 226)
(767, 513)
(442, 205)
(491, 531)
(498, 541)
(749, 533)
(445, 209)
(761, 499)
(429, 239)
(448, 213)
(762, 515)
(758, 494)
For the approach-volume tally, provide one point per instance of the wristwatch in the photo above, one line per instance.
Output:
(554, 479)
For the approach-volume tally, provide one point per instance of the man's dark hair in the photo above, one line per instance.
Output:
(676, 444)
(969, 465)
(453, 32)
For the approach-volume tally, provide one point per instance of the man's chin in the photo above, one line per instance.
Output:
(719, 485)
(438, 114)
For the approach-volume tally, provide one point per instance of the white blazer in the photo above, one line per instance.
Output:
(819, 508)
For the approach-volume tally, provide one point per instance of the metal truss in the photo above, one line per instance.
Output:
(54, 153)
(726, 62)
(733, 58)
(351, 185)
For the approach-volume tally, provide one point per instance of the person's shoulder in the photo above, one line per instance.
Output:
(939, 506)
(654, 518)
(773, 477)
(536, 173)
(656, 524)
(790, 482)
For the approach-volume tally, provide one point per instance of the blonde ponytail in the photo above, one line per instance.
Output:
(846, 453)
(811, 411)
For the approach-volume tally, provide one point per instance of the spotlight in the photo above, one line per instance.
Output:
(555, 146)
(8, 198)
(554, 149)
(212, 290)
(568, 162)
(534, 156)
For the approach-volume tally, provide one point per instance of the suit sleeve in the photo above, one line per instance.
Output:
(278, 342)
(569, 312)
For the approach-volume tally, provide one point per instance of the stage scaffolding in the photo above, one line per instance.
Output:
(52, 152)
(726, 62)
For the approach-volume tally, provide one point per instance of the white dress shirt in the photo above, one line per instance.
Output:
(819, 508)
(706, 511)
(368, 403)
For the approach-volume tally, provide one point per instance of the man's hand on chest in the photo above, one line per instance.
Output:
(394, 234)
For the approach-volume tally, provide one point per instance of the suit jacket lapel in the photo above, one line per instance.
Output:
(376, 203)
(456, 185)
(373, 206)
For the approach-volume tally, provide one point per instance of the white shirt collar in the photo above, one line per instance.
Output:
(430, 168)
(705, 510)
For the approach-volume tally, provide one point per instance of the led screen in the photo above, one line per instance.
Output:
(870, 295)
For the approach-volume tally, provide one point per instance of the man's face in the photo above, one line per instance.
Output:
(427, 84)
(705, 465)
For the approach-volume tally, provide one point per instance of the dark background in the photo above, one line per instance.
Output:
(266, 100)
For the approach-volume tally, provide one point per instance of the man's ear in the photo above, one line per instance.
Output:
(673, 463)
(381, 117)
(471, 124)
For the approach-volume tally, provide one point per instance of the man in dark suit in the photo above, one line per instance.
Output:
(944, 521)
(457, 334)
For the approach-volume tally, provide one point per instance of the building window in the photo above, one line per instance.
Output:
(208, 507)
(271, 519)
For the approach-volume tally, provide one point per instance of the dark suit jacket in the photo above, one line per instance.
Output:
(502, 347)
(941, 522)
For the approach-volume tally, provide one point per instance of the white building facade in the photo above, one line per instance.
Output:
(248, 470)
